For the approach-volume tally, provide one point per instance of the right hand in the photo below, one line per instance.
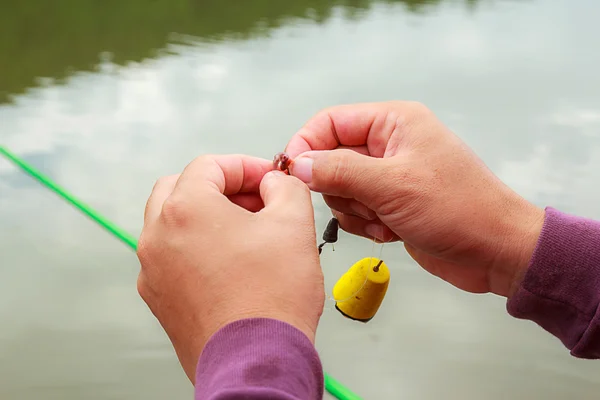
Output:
(393, 171)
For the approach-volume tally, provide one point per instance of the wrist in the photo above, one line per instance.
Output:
(271, 310)
(523, 227)
(529, 232)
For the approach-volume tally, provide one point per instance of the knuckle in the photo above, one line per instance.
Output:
(326, 116)
(161, 181)
(142, 287)
(412, 112)
(398, 104)
(407, 105)
(203, 159)
(325, 112)
(418, 110)
(151, 254)
(146, 251)
(322, 113)
(200, 162)
(143, 252)
(175, 212)
(168, 179)
(164, 181)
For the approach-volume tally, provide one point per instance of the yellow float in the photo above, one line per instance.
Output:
(358, 294)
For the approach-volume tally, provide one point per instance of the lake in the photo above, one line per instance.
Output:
(105, 97)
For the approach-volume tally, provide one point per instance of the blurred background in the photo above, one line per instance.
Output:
(107, 96)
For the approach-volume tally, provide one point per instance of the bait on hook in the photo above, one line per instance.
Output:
(282, 162)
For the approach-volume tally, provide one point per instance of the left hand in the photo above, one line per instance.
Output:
(229, 239)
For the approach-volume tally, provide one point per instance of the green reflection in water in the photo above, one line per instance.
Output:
(53, 39)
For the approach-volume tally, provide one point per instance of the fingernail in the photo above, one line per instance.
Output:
(301, 168)
(374, 230)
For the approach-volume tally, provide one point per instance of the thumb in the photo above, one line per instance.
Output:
(285, 194)
(341, 172)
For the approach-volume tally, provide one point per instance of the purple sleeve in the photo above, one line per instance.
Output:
(561, 288)
(259, 358)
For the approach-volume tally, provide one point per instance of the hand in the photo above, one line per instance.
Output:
(393, 171)
(228, 240)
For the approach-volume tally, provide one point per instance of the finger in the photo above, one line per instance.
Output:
(345, 173)
(369, 124)
(369, 229)
(350, 207)
(207, 176)
(162, 189)
(286, 194)
(249, 201)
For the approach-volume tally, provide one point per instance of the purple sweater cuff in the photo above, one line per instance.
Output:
(259, 358)
(561, 288)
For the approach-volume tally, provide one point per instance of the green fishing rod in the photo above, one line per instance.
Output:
(333, 386)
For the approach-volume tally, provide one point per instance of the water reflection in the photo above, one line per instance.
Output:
(515, 80)
(44, 43)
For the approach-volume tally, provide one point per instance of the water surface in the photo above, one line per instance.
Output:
(105, 97)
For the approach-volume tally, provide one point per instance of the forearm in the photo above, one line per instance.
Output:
(560, 290)
(258, 359)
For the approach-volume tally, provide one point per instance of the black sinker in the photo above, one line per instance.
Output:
(330, 235)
